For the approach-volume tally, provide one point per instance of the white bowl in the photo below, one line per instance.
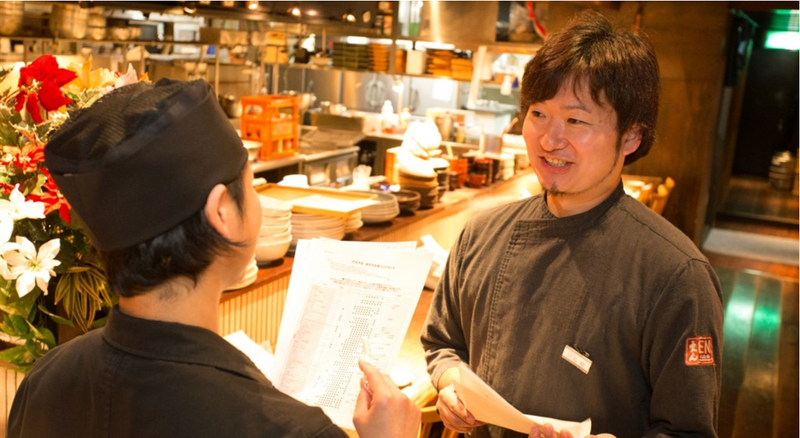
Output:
(271, 221)
(272, 251)
(269, 230)
(272, 207)
(277, 237)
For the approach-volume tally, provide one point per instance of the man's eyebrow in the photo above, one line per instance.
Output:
(578, 106)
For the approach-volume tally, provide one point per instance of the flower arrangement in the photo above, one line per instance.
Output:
(40, 243)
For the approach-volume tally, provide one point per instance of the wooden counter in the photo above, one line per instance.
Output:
(257, 309)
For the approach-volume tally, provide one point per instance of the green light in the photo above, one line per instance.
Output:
(783, 40)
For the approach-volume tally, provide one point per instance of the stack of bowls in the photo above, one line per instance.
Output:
(407, 200)
(248, 278)
(428, 188)
(275, 236)
(353, 222)
(309, 226)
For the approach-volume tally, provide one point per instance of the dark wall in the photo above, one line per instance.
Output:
(769, 113)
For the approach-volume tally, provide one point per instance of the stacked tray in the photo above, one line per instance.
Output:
(352, 56)
(379, 57)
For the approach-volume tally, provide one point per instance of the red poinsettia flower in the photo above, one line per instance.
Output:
(40, 86)
(52, 198)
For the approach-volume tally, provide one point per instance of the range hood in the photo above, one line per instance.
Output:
(465, 24)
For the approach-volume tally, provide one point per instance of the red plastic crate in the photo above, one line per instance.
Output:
(272, 120)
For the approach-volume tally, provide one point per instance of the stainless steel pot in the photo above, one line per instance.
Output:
(231, 105)
(11, 14)
(69, 21)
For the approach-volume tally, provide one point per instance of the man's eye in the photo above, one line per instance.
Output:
(574, 121)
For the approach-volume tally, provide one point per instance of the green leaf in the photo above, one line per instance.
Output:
(99, 322)
(19, 324)
(56, 318)
(15, 355)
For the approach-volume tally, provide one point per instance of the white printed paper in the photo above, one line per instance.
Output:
(341, 293)
(488, 406)
(260, 357)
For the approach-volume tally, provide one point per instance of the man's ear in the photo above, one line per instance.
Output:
(631, 140)
(221, 212)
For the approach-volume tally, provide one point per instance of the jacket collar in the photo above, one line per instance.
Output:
(169, 341)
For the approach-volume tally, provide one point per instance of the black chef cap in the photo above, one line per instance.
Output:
(143, 159)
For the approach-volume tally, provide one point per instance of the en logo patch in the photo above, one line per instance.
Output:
(699, 351)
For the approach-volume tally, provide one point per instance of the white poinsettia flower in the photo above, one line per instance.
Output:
(18, 208)
(30, 268)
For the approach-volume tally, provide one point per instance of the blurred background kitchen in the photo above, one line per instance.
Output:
(361, 73)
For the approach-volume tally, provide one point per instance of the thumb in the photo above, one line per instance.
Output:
(363, 401)
(372, 375)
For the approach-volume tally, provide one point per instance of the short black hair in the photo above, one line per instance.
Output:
(618, 66)
(184, 251)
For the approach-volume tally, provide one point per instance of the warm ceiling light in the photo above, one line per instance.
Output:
(312, 12)
(190, 8)
(252, 4)
(296, 11)
(349, 17)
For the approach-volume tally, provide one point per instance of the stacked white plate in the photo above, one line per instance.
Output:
(248, 278)
(275, 235)
(309, 226)
(353, 222)
(386, 210)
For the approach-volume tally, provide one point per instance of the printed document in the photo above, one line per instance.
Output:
(488, 406)
(341, 295)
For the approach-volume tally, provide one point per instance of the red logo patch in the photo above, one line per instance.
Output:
(699, 351)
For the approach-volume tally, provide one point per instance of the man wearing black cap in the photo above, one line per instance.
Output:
(160, 180)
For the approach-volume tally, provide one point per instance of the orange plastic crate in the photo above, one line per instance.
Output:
(272, 120)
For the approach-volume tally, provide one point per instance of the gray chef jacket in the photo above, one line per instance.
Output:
(139, 378)
(618, 283)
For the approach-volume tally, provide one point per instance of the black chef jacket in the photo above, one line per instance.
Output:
(141, 378)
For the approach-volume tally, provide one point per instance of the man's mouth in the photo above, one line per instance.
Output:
(555, 162)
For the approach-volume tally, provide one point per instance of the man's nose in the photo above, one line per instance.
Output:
(553, 137)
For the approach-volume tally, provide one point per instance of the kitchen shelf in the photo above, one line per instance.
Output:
(332, 68)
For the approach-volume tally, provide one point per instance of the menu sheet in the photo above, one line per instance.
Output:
(488, 406)
(341, 294)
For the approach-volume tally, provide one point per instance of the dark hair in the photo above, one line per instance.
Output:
(184, 251)
(616, 65)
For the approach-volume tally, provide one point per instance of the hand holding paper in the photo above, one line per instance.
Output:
(488, 406)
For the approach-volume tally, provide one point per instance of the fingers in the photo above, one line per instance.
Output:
(547, 431)
(453, 413)
(376, 381)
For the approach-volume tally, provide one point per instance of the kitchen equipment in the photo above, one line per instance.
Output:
(231, 105)
(96, 24)
(445, 124)
(11, 15)
(69, 21)
(782, 171)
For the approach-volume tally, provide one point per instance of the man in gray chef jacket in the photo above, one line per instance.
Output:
(161, 180)
(581, 302)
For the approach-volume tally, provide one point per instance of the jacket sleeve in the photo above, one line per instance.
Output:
(681, 354)
(443, 335)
